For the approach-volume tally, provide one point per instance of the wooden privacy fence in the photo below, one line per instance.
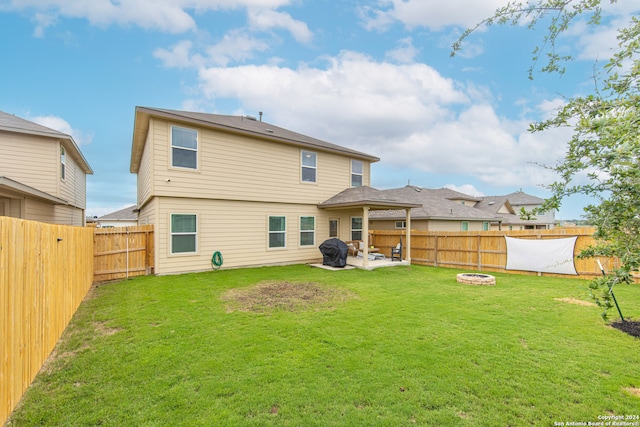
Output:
(483, 250)
(45, 272)
(123, 252)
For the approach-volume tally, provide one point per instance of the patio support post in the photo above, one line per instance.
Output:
(365, 236)
(408, 237)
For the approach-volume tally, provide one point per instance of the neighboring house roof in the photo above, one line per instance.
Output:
(244, 125)
(11, 123)
(10, 184)
(433, 204)
(520, 198)
(366, 196)
(129, 213)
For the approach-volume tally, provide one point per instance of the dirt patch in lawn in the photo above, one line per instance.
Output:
(285, 296)
(576, 301)
(630, 327)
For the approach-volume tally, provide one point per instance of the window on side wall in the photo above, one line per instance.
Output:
(356, 228)
(309, 166)
(401, 224)
(307, 231)
(63, 162)
(485, 226)
(464, 226)
(277, 232)
(184, 233)
(357, 169)
(184, 148)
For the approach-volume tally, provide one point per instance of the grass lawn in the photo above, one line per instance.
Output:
(389, 347)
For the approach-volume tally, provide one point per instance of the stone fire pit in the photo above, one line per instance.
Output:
(476, 279)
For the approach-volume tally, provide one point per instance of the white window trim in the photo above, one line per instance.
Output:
(302, 166)
(355, 173)
(171, 234)
(403, 225)
(300, 230)
(278, 248)
(171, 147)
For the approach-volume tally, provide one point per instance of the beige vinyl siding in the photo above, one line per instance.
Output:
(235, 167)
(73, 187)
(145, 172)
(239, 230)
(147, 214)
(36, 210)
(30, 160)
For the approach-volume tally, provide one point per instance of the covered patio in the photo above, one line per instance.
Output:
(366, 198)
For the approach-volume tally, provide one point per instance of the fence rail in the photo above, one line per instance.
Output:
(485, 250)
(123, 252)
(45, 272)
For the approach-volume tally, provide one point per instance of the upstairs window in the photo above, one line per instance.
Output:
(309, 167)
(356, 173)
(184, 148)
(63, 162)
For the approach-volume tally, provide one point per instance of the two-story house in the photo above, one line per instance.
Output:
(42, 173)
(243, 187)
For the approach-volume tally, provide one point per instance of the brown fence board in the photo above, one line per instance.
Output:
(484, 250)
(123, 252)
(46, 271)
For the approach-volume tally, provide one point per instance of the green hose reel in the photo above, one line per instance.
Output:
(216, 260)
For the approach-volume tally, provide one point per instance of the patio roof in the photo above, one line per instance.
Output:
(356, 197)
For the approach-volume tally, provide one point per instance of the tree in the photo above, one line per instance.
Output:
(603, 154)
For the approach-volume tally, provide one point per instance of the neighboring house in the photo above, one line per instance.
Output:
(440, 210)
(448, 210)
(42, 173)
(246, 188)
(122, 218)
(508, 208)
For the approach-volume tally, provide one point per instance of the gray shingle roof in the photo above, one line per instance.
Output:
(16, 124)
(129, 213)
(434, 204)
(365, 195)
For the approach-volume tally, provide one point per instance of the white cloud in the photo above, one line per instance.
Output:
(405, 53)
(235, 46)
(408, 115)
(61, 125)
(266, 19)
(434, 15)
(468, 189)
(173, 16)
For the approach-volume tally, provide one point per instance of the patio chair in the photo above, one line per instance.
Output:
(396, 253)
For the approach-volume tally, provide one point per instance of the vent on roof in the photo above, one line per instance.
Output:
(418, 189)
(251, 118)
(269, 130)
(492, 203)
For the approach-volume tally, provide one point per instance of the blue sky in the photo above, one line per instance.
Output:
(375, 76)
